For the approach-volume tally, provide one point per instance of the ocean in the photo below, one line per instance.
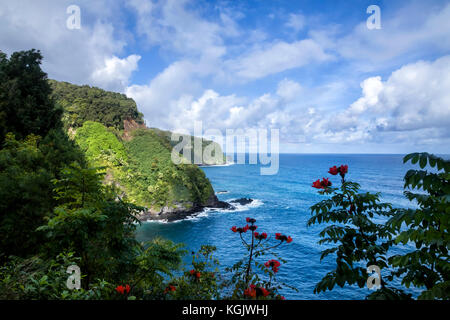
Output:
(282, 203)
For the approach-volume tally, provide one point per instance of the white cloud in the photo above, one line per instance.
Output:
(277, 57)
(296, 22)
(215, 110)
(371, 87)
(416, 27)
(412, 107)
(82, 56)
(116, 72)
(416, 96)
(170, 25)
(288, 90)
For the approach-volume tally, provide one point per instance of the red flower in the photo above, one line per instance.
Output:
(192, 272)
(245, 228)
(343, 169)
(274, 264)
(127, 288)
(321, 184)
(282, 237)
(317, 184)
(250, 220)
(250, 292)
(325, 182)
(197, 275)
(120, 289)
(333, 170)
(233, 228)
(254, 291)
(170, 288)
(253, 228)
(260, 236)
(264, 292)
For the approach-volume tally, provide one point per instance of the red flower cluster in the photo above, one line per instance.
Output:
(240, 230)
(321, 184)
(250, 220)
(260, 236)
(197, 274)
(169, 288)
(282, 237)
(342, 170)
(274, 264)
(254, 291)
(121, 289)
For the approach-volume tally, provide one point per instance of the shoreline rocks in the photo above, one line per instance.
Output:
(180, 212)
(242, 201)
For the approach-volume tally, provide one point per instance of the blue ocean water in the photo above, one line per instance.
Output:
(282, 205)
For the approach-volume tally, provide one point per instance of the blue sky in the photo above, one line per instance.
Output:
(311, 69)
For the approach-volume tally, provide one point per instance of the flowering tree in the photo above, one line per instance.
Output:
(198, 283)
(357, 241)
(248, 284)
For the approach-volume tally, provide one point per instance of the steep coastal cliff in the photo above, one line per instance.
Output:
(110, 130)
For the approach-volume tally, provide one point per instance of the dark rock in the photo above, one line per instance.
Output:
(242, 201)
(214, 202)
(180, 211)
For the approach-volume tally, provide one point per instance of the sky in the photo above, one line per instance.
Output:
(311, 69)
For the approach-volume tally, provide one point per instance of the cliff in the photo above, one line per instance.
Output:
(110, 130)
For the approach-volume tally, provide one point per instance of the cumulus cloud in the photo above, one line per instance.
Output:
(416, 96)
(411, 107)
(87, 55)
(116, 72)
(214, 110)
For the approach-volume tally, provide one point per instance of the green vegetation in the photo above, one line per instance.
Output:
(143, 169)
(152, 177)
(137, 161)
(84, 103)
(195, 140)
(428, 266)
(25, 106)
(359, 241)
(100, 145)
(57, 211)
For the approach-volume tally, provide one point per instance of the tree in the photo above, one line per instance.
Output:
(359, 241)
(428, 227)
(25, 193)
(25, 103)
